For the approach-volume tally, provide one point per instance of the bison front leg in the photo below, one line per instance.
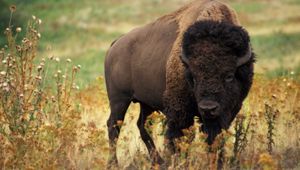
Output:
(180, 110)
(175, 129)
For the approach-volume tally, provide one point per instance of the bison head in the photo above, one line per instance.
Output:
(219, 70)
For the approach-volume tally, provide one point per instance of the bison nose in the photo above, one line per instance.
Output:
(209, 108)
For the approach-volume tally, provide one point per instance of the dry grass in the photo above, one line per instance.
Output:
(263, 136)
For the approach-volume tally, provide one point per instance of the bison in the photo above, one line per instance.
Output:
(194, 62)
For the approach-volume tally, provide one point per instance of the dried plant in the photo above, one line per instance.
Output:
(270, 115)
(241, 129)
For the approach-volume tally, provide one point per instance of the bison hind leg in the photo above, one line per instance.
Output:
(144, 113)
(118, 108)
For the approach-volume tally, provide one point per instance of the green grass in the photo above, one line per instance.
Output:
(276, 45)
(83, 30)
(284, 72)
(294, 2)
(249, 7)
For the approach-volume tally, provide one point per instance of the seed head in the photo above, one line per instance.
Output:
(33, 17)
(4, 84)
(7, 30)
(51, 57)
(3, 73)
(19, 48)
(75, 68)
(53, 98)
(39, 21)
(12, 8)
(39, 68)
(25, 40)
(6, 89)
(38, 77)
(26, 87)
(19, 29)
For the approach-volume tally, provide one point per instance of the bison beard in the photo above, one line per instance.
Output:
(212, 128)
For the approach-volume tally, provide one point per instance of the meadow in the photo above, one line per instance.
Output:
(54, 105)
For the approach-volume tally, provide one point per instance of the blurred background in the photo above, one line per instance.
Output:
(83, 30)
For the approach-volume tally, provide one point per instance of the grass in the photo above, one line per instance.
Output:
(276, 45)
(85, 28)
(36, 135)
(250, 7)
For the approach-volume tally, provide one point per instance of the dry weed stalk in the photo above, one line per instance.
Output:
(241, 128)
(270, 115)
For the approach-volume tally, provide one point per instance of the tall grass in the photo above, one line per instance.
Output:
(40, 124)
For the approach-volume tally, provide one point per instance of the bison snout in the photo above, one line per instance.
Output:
(209, 109)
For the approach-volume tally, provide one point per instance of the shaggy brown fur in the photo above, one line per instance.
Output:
(145, 66)
(175, 92)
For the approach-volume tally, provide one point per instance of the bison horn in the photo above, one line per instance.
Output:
(244, 59)
(184, 58)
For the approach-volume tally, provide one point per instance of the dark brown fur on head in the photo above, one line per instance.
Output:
(210, 53)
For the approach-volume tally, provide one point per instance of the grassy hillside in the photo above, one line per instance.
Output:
(83, 30)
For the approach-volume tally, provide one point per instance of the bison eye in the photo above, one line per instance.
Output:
(229, 78)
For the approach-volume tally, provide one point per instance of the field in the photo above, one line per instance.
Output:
(61, 124)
